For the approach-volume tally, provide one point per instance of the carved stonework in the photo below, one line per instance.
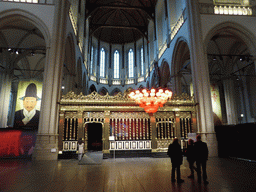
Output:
(71, 97)
(94, 96)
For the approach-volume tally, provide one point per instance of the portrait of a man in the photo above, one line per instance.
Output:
(28, 117)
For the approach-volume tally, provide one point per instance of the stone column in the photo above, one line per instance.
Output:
(230, 101)
(177, 84)
(200, 76)
(47, 138)
(154, 133)
(13, 103)
(5, 98)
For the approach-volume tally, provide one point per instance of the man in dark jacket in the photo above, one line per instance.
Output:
(175, 153)
(28, 117)
(201, 156)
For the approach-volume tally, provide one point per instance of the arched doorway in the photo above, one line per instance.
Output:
(232, 74)
(94, 136)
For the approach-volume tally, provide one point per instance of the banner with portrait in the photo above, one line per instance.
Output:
(28, 104)
(20, 140)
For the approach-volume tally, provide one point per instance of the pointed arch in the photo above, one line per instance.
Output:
(103, 91)
(92, 89)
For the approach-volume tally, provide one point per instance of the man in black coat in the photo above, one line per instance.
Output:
(175, 153)
(28, 117)
(201, 157)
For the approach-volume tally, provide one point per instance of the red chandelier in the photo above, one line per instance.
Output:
(152, 99)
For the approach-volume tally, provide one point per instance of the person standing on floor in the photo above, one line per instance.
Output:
(190, 157)
(175, 153)
(80, 149)
(201, 157)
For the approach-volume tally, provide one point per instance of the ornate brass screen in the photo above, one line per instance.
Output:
(125, 121)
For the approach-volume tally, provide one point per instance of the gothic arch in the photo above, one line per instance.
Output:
(181, 76)
(232, 76)
(236, 30)
(69, 70)
(103, 91)
(8, 16)
(115, 91)
(164, 74)
(92, 89)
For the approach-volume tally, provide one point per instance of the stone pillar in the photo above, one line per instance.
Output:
(230, 101)
(13, 103)
(106, 134)
(47, 137)
(154, 133)
(5, 98)
(200, 76)
(177, 84)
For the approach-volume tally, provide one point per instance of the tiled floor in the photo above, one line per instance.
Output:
(131, 174)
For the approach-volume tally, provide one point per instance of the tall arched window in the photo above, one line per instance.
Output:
(130, 64)
(116, 64)
(91, 67)
(102, 62)
(142, 61)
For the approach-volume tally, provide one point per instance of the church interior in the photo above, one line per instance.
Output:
(85, 56)
(126, 77)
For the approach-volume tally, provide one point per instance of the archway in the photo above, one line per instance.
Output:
(181, 74)
(232, 74)
(165, 74)
(92, 89)
(69, 70)
(94, 136)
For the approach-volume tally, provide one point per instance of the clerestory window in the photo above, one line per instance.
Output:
(116, 64)
(142, 61)
(130, 64)
(102, 62)
(91, 67)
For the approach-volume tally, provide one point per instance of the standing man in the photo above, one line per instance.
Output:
(201, 156)
(28, 117)
(175, 153)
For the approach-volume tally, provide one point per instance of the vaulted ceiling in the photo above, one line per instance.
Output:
(120, 21)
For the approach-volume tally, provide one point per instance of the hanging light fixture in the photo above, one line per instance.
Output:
(152, 99)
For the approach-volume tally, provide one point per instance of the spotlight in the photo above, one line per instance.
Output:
(9, 49)
(242, 58)
(214, 58)
(17, 52)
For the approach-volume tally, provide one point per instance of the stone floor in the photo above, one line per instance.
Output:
(130, 174)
